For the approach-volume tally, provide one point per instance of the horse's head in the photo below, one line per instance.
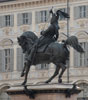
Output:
(26, 40)
(22, 41)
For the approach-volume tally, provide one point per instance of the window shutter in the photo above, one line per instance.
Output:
(2, 61)
(20, 59)
(4, 21)
(37, 17)
(38, 67)
(86, 55)
(64, 10)
(48, 16)
(29, 18)
(44, 66)
(1, 21)
(76, 12)
(87, 11)
(12, 20)
(76, 59)
(20, 19)
(11, 59)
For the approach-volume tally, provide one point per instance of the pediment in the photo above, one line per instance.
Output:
(82, 34)
(24, 28)
(81, 81)
(6, 42)
(4, 87)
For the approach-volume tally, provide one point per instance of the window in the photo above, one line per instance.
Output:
(7, 20)
(81, 12)
(25, 18)
(20, 59)
(7, 59)
(81, 59)
(42, 66)
(82, 56)
(41, 16)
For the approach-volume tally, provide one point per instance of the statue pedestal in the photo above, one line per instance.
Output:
(44, 92)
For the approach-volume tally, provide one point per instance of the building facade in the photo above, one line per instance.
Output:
(18, 16)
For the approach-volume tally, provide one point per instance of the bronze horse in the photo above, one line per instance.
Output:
(56, 52)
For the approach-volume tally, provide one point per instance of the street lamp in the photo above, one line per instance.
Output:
(68, 36)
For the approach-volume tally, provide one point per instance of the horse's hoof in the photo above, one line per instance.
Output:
(22, 74)
(60, 81)
(24, 83)
(47, 81)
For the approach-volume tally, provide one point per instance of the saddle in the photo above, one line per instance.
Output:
(43, 48)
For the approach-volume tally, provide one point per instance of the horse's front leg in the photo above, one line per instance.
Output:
(26, 74)
(23, 71)
(62, 72)
(54, 75)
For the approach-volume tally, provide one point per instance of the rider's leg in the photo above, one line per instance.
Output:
(32, 54)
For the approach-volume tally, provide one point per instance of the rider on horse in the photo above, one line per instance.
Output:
(48, 36)
(30, 47)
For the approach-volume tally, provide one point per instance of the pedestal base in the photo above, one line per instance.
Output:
(44, 92)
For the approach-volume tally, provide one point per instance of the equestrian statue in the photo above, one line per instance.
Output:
(47, 49)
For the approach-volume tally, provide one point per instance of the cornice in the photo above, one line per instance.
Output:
(21, 4)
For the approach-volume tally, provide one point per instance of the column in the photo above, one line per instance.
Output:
(15, 58)
(71, 16)
(71, 57)
(15, 22)
(33, 21)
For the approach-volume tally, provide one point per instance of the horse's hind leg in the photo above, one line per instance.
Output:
(55, 74)
(62, 71)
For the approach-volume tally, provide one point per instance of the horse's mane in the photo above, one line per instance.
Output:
(26, 40)
(30, 35)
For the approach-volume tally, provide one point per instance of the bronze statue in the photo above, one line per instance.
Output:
(48, 36)
(46, 49)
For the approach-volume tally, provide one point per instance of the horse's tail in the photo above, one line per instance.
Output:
(73, 41)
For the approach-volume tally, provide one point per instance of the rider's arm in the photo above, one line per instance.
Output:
(56, 35)
(51, 12)
(47, 31)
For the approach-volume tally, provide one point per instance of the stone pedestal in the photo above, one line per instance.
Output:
(44, 92)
